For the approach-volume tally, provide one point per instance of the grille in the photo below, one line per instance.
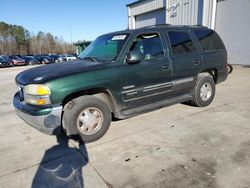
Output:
(21, 92)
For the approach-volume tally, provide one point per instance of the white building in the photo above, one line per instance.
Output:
(230, 18)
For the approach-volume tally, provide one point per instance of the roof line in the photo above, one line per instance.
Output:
(134, 3)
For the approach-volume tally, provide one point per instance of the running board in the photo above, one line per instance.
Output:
(154, 106)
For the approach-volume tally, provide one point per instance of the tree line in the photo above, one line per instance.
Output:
(16, 40)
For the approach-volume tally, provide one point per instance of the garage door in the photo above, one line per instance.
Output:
(150, 18)
(232, 24)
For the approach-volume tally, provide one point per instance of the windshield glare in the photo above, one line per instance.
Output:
(106, 47)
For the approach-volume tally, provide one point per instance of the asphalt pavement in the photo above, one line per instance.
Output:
(174, 147)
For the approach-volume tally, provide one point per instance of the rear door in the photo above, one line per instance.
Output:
(186, 60)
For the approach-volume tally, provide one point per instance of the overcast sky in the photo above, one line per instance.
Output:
(80, 19)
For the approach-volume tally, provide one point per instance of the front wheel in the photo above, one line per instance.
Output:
(87, 117)
(204, 90)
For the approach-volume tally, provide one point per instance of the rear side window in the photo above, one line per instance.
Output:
(181, 42)
(209, 39)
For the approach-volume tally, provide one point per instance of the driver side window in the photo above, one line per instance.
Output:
(149, 45)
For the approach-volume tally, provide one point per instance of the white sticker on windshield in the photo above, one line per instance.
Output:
(119, 37)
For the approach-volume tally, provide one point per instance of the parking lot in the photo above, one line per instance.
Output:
(178, 146)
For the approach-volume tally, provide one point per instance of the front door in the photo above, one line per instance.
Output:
(149, 80)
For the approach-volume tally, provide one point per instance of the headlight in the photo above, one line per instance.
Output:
(37, 94)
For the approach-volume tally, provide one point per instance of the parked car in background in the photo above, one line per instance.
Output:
(61, 58)
(5, 61)
(30, 60)
(56, 58)
(68, 57)
(43, 59)
(15, 60)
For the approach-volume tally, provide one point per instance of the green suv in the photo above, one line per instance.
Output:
(122, 74)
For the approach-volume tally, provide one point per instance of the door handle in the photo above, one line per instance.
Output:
(165, 67)
(196, 62)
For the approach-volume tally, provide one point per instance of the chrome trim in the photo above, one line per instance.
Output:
(132, 93)
(172, 85)
(158, 87)
(20, 91)
(128, 91)
(128, 87)
(158, 93)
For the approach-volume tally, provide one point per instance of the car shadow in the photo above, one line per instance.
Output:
(61, 166)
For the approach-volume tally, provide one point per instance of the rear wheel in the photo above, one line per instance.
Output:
(87, 117)
(204, 90)
(229, 68)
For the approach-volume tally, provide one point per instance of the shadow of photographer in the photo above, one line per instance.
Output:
(61, 166)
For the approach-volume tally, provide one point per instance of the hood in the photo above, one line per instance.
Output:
(45, 73)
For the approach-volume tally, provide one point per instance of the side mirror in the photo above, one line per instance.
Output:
(134, 57)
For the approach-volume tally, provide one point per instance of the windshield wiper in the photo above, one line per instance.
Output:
(91, 58)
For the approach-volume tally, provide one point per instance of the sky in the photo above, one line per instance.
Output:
(73, 20)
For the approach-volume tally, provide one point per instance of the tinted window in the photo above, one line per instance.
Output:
(149, 45)
(209, 39)
(181, 42)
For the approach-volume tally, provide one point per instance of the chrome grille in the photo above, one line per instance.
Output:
(21, 92)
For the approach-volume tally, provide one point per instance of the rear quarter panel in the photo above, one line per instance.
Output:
(215, 59)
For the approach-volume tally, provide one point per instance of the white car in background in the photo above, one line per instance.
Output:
(68, 57)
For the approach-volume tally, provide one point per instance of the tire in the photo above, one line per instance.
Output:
(86, 117)
(205, 83)
(229, 68)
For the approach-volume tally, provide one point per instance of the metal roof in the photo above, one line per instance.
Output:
(136, 2)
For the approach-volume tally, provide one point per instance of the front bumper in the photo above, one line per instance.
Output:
(5, 65)
(46, 120)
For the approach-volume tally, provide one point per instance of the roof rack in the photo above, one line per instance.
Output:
(150, 26)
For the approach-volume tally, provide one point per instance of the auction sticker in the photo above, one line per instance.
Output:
(119, 37)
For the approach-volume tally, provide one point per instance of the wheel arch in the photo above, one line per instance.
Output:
(212, 71)
(101, 93)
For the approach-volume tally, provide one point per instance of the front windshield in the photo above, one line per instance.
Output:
(105, 48)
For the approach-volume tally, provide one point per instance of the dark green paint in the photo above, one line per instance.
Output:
(147, 77)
